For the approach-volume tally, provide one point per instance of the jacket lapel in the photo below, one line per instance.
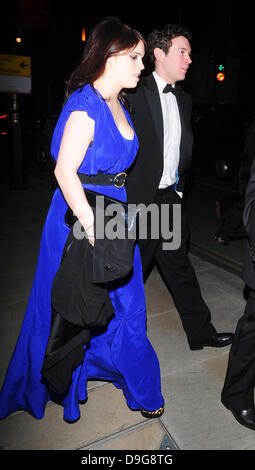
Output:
(153, 99)
(180, 107)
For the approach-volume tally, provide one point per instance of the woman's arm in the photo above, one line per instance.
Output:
(78, 133)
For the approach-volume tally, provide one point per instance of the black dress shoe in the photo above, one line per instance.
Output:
(218, 340)
(244, 417)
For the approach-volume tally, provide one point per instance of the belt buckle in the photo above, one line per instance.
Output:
(118, 184)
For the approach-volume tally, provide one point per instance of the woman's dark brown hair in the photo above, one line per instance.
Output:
(108, 38)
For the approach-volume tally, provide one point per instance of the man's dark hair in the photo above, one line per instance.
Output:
(161, 37)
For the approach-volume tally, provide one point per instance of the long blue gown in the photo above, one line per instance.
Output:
(122, 354)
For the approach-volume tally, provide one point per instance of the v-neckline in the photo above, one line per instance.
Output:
(125, 138)
(129, 140)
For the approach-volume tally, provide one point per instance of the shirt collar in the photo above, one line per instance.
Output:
(160, 82)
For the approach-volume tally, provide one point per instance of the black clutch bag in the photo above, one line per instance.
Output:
(125, 214)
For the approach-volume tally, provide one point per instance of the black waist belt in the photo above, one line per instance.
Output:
(117, 180)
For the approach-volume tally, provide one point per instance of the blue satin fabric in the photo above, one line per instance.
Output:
(122, 352)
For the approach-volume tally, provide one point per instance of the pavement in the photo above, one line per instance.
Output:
(194, 417)
(201, 202)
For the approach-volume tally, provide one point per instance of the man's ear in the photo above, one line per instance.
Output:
(159, 54)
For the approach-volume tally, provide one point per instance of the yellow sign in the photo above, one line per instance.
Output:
(15, 65)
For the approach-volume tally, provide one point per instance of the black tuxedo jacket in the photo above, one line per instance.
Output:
(145, 174)
(249, 224)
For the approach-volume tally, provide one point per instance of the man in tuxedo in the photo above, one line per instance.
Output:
(161, 117)
(238, 391)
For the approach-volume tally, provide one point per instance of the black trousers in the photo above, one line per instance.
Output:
(238, 390)
(178, 273)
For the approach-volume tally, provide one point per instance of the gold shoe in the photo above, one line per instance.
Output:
(153, 414)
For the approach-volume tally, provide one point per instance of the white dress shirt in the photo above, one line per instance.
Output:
(172, 135)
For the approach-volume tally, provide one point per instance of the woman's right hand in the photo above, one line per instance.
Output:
(90, 234)
(86, 218)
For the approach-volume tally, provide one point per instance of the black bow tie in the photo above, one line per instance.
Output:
(169, 88)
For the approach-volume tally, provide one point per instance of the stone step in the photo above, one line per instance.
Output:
(104, 418)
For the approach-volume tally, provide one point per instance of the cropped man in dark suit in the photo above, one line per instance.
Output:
(162, 123)
(238, 391)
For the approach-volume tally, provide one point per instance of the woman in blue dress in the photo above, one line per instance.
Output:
(94, 134)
